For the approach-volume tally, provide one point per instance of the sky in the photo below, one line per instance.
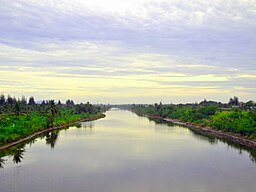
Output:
(136, 51)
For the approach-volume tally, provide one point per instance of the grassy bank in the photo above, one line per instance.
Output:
(20, 118)
(234, 120)
(13, 128)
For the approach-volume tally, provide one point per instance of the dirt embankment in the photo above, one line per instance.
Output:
(213, 132)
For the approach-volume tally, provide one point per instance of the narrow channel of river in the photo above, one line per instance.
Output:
(127, 153)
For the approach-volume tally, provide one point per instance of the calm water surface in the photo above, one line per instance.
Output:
(127, 153)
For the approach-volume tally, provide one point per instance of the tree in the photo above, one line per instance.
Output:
(17, 108)
(52, 112)
(2, 99)
(59, 103)
(252, 116)
(159, 108)
(9, 100)
(70, 103)
(43, 103)
(233, 101)
(31, 101)
(249, 105)
(23, 100)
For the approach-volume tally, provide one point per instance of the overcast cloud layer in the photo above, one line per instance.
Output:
(128, 52)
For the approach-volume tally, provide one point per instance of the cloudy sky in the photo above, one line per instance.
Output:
(136, 51)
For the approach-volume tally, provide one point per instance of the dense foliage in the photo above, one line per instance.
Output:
(233, 117)
(19, 118)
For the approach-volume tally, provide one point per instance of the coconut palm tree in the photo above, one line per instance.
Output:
(52, 111)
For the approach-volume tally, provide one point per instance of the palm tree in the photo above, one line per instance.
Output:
(17, 108)
(52, 111)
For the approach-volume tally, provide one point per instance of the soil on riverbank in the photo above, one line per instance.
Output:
(212, 132)
(92, 118)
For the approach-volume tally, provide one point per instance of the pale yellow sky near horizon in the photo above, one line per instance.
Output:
(128, 51)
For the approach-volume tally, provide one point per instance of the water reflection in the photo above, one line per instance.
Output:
(77, 125)
(200, 136)
(211, 139)
(2, 163)
(241, 149)
(127, 153)
(232, 145)
(87, 127)
(253, 156)
(18, 155)
(17, 152)
(203, 137)
(160, 121)
(51, 138)
(89, 124)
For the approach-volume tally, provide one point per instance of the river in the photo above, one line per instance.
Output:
(127, 153)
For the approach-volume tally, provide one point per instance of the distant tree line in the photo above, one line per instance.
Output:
(20, 106)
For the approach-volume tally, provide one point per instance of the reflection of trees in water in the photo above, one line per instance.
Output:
(51, 138)
(16, 152)
(160, 121)
(213, 140)
(232, 145)
(77, 125)
(89, 125)
(241, 149)
(2, 163)
(253, 155)
(31, 142)
(18, 155)
(205, 137)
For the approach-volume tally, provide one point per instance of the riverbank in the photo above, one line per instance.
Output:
(37, 133)
(211, 132)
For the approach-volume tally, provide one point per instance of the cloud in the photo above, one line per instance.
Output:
(125, 46)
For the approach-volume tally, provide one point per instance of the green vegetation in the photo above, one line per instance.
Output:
(19, 118)
(236, 117)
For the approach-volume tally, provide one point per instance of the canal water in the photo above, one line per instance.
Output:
(127, 153)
